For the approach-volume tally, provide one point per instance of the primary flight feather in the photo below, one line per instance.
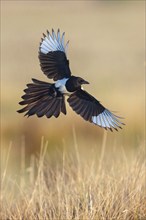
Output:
(43, 98)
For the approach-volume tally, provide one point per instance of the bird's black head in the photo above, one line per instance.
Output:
(78, 82)
(74, 83)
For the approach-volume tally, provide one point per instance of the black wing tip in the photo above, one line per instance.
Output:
(44, 35)
(116, 129)
(110, 129)
(53, 31)
(48, 33)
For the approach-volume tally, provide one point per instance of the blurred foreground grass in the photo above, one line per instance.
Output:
(70, 183)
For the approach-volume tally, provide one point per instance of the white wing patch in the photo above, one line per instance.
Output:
(53, 42)
(106, 119)
(60, 84)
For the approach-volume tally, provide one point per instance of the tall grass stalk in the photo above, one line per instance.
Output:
(106, 186)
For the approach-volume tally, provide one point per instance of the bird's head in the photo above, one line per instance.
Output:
(74, 83)
(80, 81)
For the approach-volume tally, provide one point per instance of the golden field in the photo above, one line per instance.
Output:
(67, 168)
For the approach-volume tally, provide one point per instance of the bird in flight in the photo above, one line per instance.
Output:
(48, 99)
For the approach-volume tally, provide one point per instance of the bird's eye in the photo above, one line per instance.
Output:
(80, 81)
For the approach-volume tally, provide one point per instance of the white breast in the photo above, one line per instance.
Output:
(60, 84)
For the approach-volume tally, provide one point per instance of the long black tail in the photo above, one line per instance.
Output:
(42, 98)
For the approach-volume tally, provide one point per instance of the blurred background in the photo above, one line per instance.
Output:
(106, 48)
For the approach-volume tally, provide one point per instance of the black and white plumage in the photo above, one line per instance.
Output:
(42, 98)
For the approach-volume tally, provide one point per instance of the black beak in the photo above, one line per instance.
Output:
(85, 82)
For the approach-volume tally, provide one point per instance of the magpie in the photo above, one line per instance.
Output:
(44, 98)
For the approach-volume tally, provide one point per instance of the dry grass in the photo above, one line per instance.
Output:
(100, 185)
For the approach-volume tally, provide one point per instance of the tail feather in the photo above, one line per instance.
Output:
(50, 111)
(42, 98)
(46, 108)
(58, 109)
(63, 107)
(34, 90)
(34, 95)
(26, 108)
(36, 107)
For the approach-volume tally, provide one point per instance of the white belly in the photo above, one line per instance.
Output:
(60, 84)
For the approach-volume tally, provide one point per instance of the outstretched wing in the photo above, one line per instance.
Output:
(52, 56)
(91, 110)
